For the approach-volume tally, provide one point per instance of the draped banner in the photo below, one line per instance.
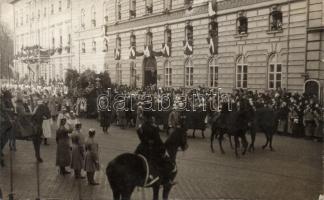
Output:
(150, 70)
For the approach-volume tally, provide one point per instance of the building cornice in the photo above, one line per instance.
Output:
(316, 29)
(156, 19)
(13, 1)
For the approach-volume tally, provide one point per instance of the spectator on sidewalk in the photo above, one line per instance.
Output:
(91, 158)
(63, 152)
(77, 161)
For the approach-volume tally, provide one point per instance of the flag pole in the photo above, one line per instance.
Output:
(37, 179)
(11, 196)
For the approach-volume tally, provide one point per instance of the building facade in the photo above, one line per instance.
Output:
(255, 44)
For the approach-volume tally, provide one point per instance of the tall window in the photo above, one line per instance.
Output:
(119, 74)
(167, 36)
(93, 16)
(213, 37)
(168, 74)
(149, 6)
(241, 73)
(188, 42)
(213, 73)
(94, 46)
(242, 23)
(189, 73)
(188, 4)
(60, 6)
(44, 12)
(53, 72)
(82, 19)
(105, 11)
(21, 17)
(167, 5)
(133, 40)
(132, 9)
(53, 42)
(118, 10)
(275, 19)
(83, 47)
(118, 42)
(69, 39)
(149, 39)
(105, 44)
(118, 48)
(61, 38)
(189, 33)
(167, 43)
(52, 9)
(17, 23)
(68, 3)
(132, 74)
(274, 72)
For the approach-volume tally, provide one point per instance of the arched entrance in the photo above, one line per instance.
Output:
(312, 87)
(150, 71)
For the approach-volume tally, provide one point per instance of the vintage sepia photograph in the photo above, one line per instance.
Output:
(161, 99)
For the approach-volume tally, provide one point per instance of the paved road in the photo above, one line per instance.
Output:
(292, 172)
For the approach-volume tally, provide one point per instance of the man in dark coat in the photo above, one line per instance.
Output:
(151, 145)
(40, 113)
(6, 115)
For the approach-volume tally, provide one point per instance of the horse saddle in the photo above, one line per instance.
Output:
(151, 176)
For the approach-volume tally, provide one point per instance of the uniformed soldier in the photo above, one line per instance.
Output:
(152, 147)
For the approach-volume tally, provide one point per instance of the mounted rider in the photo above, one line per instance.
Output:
(152, 148)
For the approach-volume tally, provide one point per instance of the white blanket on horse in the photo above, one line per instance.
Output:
(47, 130)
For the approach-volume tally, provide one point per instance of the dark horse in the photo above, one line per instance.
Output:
(127, 171)
(264, 120)
(234, 123)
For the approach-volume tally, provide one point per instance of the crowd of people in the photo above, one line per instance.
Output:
(299, 115)
(49, 109)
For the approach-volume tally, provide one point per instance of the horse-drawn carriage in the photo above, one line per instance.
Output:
(196, 120)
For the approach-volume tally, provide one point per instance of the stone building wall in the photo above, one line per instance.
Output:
(298, 47)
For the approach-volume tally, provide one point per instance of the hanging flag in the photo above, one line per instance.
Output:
(187, 48)
(165, 50)
(211, 46)
(132, 53)
(147, 52)
(117, 54)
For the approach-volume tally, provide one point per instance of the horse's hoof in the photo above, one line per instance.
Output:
(263, 147)
(272, 149)
(223, 152)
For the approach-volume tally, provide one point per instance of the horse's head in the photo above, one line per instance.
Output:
(178, 138)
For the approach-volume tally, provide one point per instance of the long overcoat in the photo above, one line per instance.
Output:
(91, 162)
(63, 152)
(77, 162)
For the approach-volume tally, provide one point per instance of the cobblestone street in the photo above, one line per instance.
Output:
(292, 172)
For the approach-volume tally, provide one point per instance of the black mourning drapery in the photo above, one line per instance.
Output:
(150, 70)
